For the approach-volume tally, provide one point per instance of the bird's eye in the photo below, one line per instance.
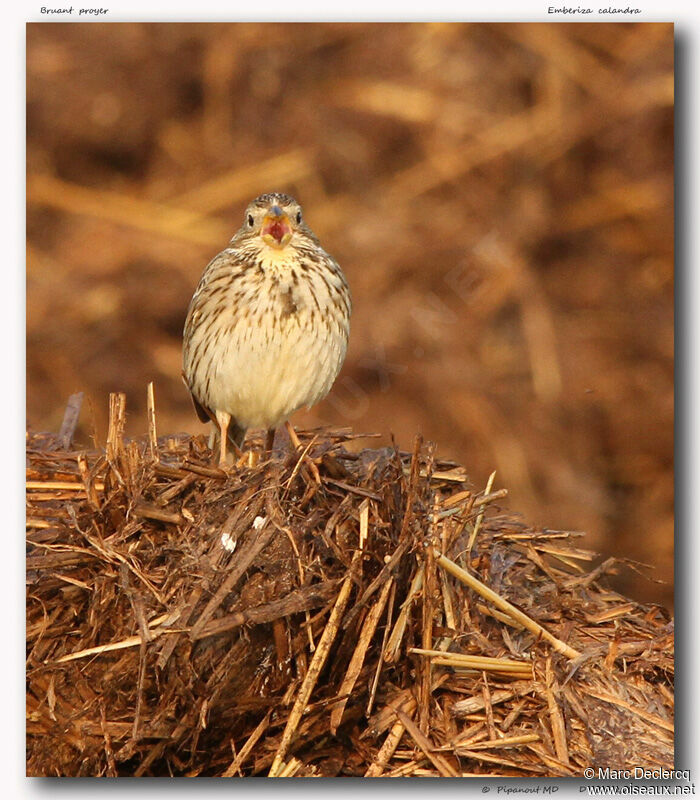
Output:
(298, 217)
(251, 221)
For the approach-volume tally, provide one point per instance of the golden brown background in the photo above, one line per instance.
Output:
(499, 196)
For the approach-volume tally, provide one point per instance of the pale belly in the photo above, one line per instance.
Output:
(263, 380)
(261, 373)
(263, 341)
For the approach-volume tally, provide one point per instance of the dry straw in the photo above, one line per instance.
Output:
(388, 620)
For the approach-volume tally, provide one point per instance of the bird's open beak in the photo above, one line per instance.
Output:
(276, 230)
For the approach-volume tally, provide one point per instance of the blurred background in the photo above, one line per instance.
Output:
(499, 196)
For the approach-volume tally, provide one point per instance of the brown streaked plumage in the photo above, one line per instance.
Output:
(267, 328)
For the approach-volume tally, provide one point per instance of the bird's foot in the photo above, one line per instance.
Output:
(228, 462)
(228, 465)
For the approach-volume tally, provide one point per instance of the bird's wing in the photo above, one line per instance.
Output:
(203, 413)
(236, 433)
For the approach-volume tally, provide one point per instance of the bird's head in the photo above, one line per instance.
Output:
(274, 218)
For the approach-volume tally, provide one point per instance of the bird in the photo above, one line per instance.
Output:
(267, 328)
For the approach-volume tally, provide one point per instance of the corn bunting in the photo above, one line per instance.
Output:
(267, 328)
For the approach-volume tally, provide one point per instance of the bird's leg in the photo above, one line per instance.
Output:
(269, 441)
(223, 419)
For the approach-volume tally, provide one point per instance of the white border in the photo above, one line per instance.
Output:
(12, 137)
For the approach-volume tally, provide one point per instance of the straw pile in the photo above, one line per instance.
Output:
(319, 613)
